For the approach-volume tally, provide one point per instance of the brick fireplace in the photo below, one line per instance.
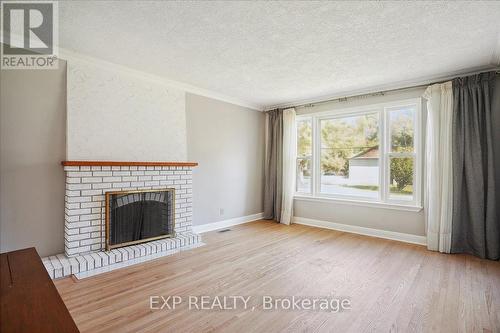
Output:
(87, 183)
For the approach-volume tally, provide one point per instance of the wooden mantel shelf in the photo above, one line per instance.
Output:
(120, 163)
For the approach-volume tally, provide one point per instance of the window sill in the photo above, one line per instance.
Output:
(373, 204)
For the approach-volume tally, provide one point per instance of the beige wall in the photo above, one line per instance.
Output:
(368, 217)
(228, 143)
(32, 145)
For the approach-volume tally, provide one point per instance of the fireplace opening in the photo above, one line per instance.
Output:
(139, 216)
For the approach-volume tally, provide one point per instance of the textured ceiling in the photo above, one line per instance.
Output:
(268, 53)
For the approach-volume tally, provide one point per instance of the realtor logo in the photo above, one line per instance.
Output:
(29, 35)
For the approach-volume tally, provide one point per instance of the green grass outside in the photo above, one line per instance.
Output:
(406, 190)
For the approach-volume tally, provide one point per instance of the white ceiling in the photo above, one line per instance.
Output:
(269, 53)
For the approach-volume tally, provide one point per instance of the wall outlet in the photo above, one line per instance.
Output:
(221, 211)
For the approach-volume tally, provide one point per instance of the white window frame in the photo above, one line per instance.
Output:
(384, 199)
(309, 157)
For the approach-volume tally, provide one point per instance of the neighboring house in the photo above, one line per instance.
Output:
(363, 168)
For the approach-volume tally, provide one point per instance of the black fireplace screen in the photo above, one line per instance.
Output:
(134, 217)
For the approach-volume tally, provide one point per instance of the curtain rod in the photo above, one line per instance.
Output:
(383, 92)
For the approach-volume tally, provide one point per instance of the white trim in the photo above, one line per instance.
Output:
(226, 223)
(392, 235)
(422, 81)
(384, 199)
(68, 55)
(357, 202)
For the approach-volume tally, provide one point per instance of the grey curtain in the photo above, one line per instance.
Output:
(475, 228)
(273, 166)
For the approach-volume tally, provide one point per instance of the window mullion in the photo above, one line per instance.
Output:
(384, 178)
(315, 153)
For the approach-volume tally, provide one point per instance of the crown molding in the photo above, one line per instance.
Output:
(405, 84)
(69, 55)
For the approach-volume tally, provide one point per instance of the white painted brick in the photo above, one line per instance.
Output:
(137, 184)
(98, 198)
(73, 205)
(75, 266)
(50, 270)
(106, 168)
(92, 180)
(112, 179)
(104, 258)
(122, 184)
(70, 193)
(145, 178)
(141, 167)
(91, 192)
(147, 246)
(87, 217)
(95, 168)
(131, 250)
(73, 212)
(95, 247)
(152, 183)
(111, 257)
(125, 254)
(151, 173)
(97, 260)
(101, 186)
(78, 186)
(68, 231)
(78, 174)
(121, 173)
(90, 229)
(75, 180)
(82, 263)
(78, 199)
(85, 168)
(71, 168)
(72, 238)
(102, 174)
(137, 251)
(71, 245)
(97, 222)
(90, 204)
(90, 261)
(129, 178)
(90, 241)
(71, 219)
(117, 255)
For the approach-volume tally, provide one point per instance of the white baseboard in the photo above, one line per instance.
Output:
(398, 236)
(226, 223)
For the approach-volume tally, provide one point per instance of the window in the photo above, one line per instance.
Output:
(304, 156)
(364, 154)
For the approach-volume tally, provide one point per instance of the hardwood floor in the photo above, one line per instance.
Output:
(392, 286)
